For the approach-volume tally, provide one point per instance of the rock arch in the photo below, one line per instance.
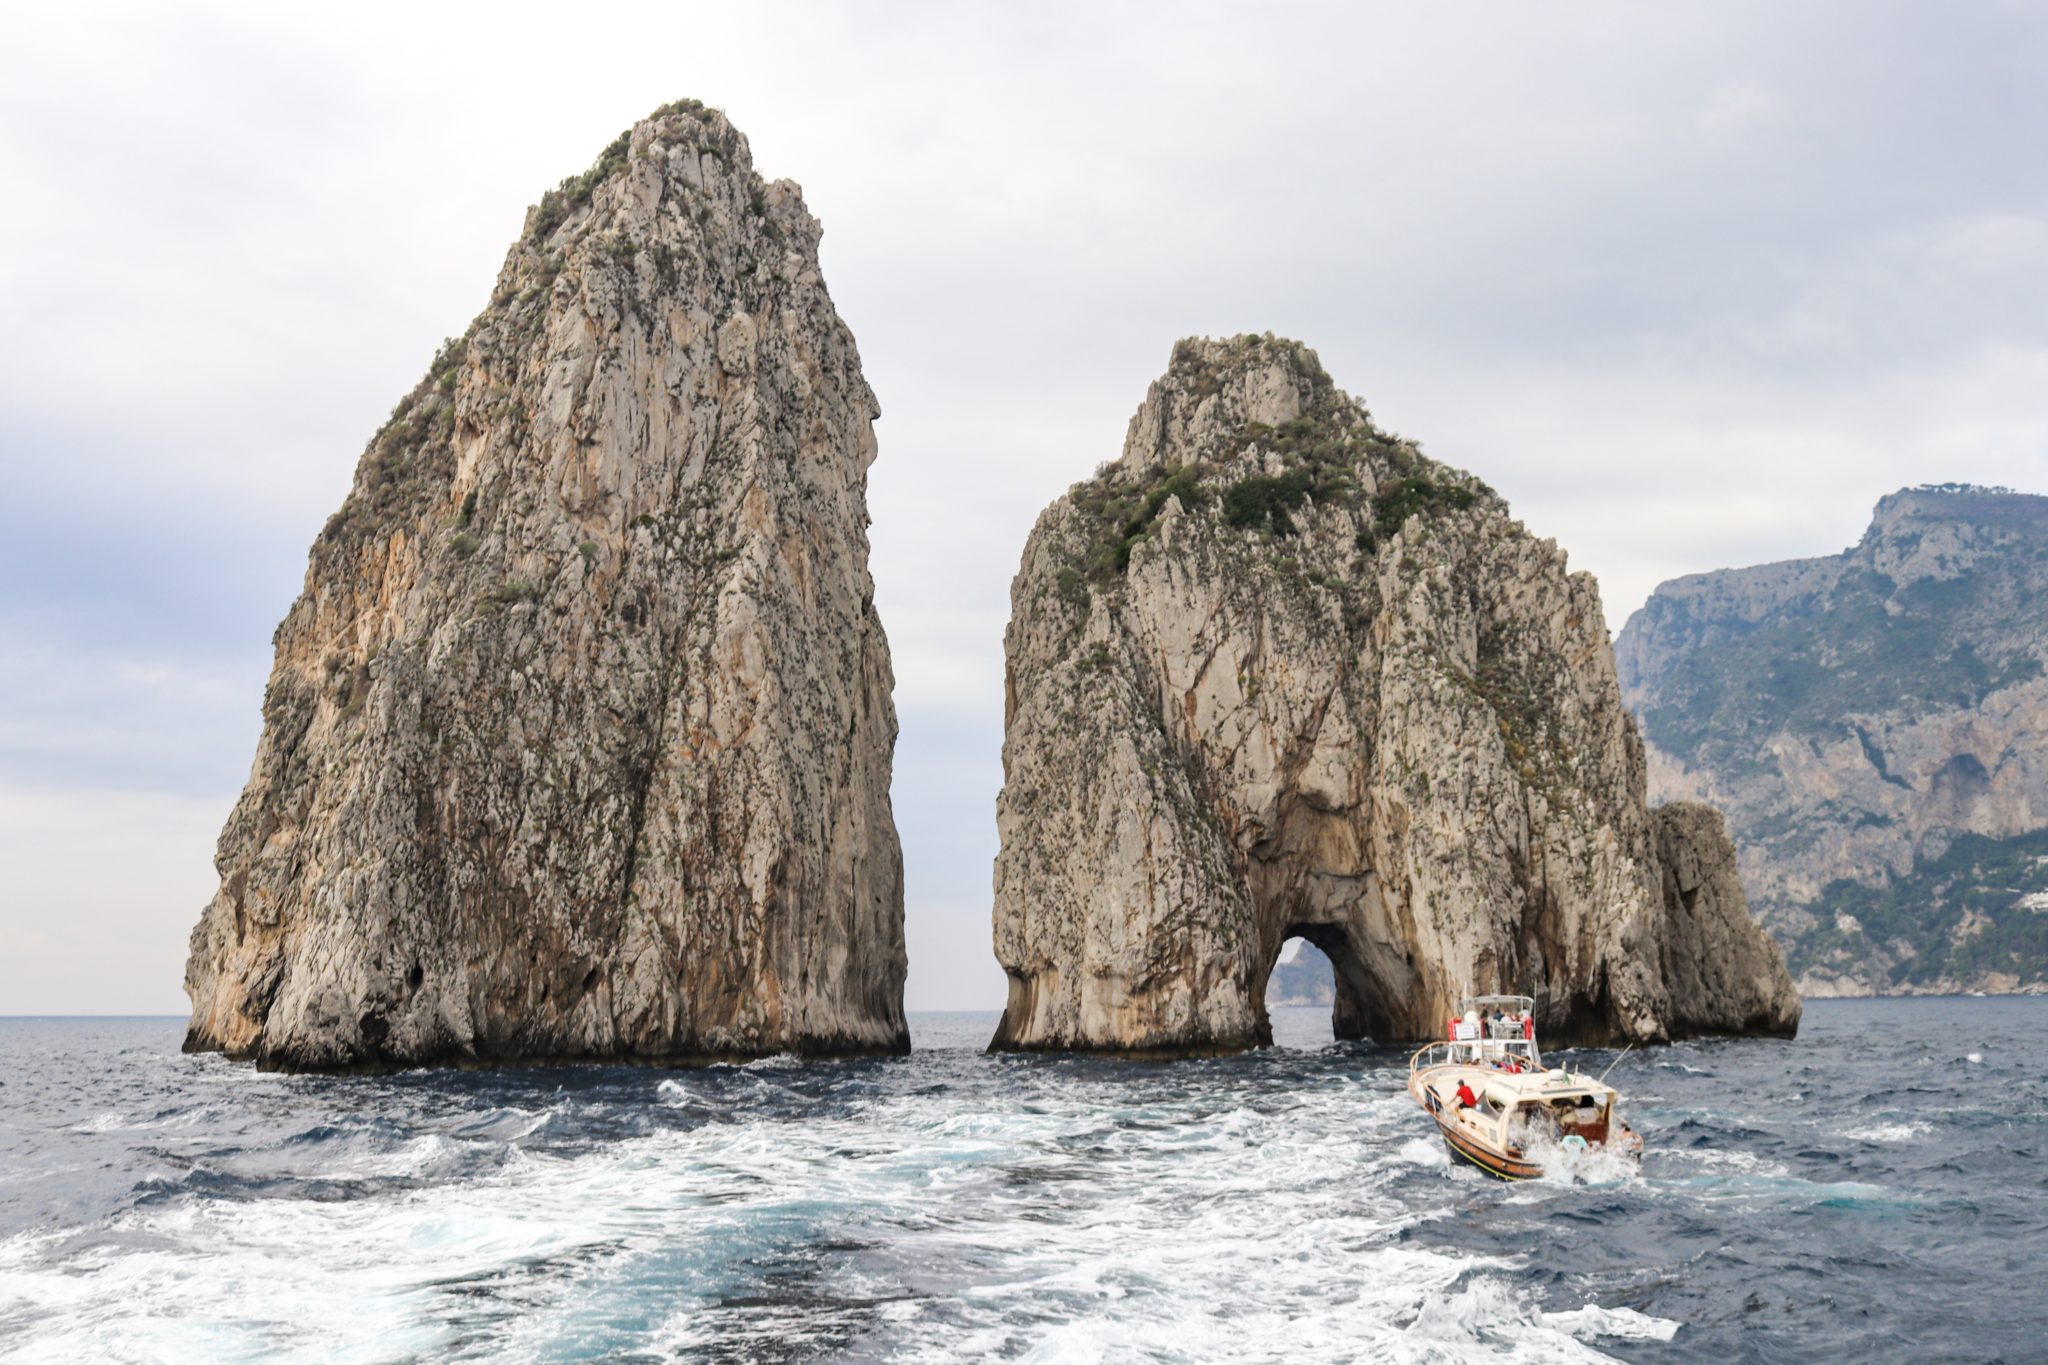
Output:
(1275, 672)
(1352, 996)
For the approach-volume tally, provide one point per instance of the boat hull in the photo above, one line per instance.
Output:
(1493, 1099)
(1473, 1147)
(1499, 1165)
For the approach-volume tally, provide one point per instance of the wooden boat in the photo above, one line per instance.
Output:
(1496, 1104)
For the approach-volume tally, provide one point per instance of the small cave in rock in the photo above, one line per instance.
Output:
(1962, 775)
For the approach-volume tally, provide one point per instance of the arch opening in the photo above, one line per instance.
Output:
(1301, 994)
(1316, 989)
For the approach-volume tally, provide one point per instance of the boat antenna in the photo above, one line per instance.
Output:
(1615, 1063)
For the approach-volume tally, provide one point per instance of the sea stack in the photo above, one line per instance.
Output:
(577, 742)
(1276, 673)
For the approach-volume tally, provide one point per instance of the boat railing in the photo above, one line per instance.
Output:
(1478, 1052)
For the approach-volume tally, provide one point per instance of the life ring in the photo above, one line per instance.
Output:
(1573, 1143)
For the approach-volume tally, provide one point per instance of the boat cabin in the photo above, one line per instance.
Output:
(1496, 1031)
(1553, 1111)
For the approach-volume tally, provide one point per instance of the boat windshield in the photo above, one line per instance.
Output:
(1516, 1056)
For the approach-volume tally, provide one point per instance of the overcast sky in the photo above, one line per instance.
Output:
(1692, 285)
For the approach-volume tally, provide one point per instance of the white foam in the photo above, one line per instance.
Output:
(1732, 1160)
(1423, 1152)
(1565, 1164)
(1595, 1321)
(1054, 1215)
(115, 1121)
(1887, 1132)
(1488, 1314)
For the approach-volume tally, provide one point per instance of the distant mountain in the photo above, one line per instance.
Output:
(1875, 726)
(1308, 980)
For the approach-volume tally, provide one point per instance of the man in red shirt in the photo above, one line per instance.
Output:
(1466, 1099)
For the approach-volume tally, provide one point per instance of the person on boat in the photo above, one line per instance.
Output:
(1466, 1099)
(1528, 1026)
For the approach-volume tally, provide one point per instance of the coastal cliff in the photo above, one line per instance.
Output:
(1275, 673)
(1730, 976)
(1875, 725)
(577, 742)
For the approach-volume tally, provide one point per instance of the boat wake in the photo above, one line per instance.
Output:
(1565, 1162)
(1286, 1205)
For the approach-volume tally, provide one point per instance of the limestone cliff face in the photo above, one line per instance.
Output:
(1275, 673)
(1731, 976)
(1875, 725)
(577, 743)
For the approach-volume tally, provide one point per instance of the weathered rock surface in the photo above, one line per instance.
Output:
(577, 744)
(1274, 673)
(1875, 725)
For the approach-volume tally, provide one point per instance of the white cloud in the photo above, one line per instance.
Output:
(103, 888)
(1739, 105)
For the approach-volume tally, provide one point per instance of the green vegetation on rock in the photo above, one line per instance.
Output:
(1325, 457)
(1414, 495)
(1979, 909)
(1121, 516)
(574, 192)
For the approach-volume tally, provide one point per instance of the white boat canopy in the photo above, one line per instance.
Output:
(1518, 1004)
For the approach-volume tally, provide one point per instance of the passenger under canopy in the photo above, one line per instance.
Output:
(1494, 1030)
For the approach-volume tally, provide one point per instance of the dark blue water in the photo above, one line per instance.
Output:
(1875, 1191)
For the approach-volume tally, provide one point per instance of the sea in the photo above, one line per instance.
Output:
(1876, 1190)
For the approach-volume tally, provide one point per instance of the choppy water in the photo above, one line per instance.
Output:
(1875, 1191)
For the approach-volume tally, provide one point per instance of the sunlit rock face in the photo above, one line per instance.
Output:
(1275, 673)
(577, 743)
(1875, 725)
